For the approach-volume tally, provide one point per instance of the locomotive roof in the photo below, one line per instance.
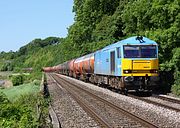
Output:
(132, 41)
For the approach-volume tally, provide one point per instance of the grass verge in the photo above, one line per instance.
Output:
(16, 92)
(23, 107)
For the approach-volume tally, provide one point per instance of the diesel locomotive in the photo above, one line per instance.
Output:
(130, 64)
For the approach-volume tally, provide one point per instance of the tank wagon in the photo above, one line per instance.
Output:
(130, 64)
(47, 69)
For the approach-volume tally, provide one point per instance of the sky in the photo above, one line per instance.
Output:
(22, 21)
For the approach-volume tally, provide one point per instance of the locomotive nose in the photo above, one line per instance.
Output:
(140, 67)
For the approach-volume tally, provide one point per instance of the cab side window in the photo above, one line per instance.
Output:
(119, 52)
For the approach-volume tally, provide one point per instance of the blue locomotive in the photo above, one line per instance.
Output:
(130, 64)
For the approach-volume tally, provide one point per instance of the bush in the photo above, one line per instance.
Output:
(176, 89)
(17, 80)
(3, 99)
(36, 75)
(36, 82)
(23, 112)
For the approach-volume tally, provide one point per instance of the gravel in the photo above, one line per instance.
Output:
(168, 103)
(69, 113)
(158, 115)
(109, 114)
(171, 96)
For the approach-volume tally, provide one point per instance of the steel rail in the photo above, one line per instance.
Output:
(117, 108)
(167, 99)
(86, 108)
(54, 118)
(154, 103)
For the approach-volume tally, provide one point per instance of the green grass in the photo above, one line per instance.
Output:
(15, 92)
(5, 75)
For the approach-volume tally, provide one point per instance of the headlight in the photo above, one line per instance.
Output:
(127, 71)
(154, 71)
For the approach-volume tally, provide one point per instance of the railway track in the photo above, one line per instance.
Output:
(167, 99)
(54, 118)
(89, 110)
(67, 110)
(100, 120)
(165, 105)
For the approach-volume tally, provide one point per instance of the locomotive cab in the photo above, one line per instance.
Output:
(140, 66)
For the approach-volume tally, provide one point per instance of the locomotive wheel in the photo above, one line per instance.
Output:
(123, 89)
(125, 92)
(119, 91)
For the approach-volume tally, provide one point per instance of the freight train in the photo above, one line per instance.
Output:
(130, 64)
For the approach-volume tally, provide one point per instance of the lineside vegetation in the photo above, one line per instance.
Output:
(23, 106)
(101, 22)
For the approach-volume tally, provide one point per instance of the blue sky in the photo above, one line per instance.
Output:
(21, 21)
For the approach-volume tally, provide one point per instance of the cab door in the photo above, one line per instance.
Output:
(112, 62)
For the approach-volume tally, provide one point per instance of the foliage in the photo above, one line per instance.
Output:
(175, 63)
(7, 67)
(23, 112)
(36, 54)
(36, 82)
(102, 22)
(15, 92)
(5, 75)
(17, 80)
(23, 106)
(176, 89)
